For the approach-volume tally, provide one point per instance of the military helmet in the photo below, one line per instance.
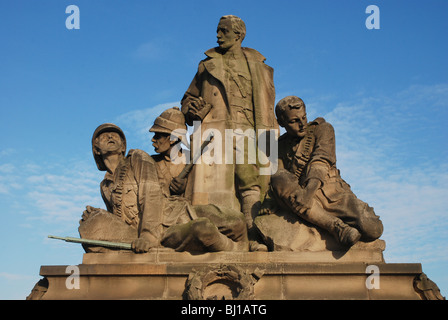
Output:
(170, 120)
(105, 127)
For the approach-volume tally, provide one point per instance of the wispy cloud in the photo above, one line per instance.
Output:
(7, 152)
(382, 149)
(58, 191)
(15, 277)
(148, 51)
(8, 180)
(63, 197)
(54, 193)
(152, 50)
(136, 125)
(7, 168)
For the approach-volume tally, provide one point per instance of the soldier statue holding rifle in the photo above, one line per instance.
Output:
(144, 201)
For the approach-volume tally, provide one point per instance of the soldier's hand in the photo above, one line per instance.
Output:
(141, 245)
(197, 103)
(194, 105)
(178, 185)
(197, 108)
(296, 201)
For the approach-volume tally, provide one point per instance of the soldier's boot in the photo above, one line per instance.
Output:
(224, 243)
(345, 234)
(251, 205)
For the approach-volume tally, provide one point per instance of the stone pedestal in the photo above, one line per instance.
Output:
(168, 275)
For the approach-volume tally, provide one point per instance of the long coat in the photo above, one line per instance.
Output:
(215, 183)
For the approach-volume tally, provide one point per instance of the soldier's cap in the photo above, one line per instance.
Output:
(170, 120)
(105, 127)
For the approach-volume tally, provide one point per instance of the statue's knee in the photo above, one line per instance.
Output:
(283, 184)
(371, 229)
(281, 177)
(202, 229)
(238, 225)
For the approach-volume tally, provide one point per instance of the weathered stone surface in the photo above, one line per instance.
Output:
(273, 275)
(106, 226)
(285, 231)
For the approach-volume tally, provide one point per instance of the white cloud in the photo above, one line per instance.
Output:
(8, 180)
(3, 189)
(153, 50)
(15, 277)
(7, 152)
(55, 193)
(63, 197)
(149, 50)
(392, 168)
(7, 168)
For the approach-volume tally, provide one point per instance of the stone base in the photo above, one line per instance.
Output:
(171, 275)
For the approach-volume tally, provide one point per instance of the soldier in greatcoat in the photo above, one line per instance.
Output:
(232, 89)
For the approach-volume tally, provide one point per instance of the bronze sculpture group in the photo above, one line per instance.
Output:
(150, 204)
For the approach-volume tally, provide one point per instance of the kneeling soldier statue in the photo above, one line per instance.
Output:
(308, 182)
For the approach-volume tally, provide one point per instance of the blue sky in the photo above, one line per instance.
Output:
(385, 91)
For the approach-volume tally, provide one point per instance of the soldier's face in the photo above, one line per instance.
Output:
(110, 142)
(295, 122)
(161, 142)
(227, 38)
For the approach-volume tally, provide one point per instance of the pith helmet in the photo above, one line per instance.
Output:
(169, 121)
(105, 127)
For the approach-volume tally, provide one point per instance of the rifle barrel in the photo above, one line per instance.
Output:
(101, 243)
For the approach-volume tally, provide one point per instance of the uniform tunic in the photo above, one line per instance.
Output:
(240, 89)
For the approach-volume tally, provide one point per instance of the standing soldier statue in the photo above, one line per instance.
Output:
(232, 89)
